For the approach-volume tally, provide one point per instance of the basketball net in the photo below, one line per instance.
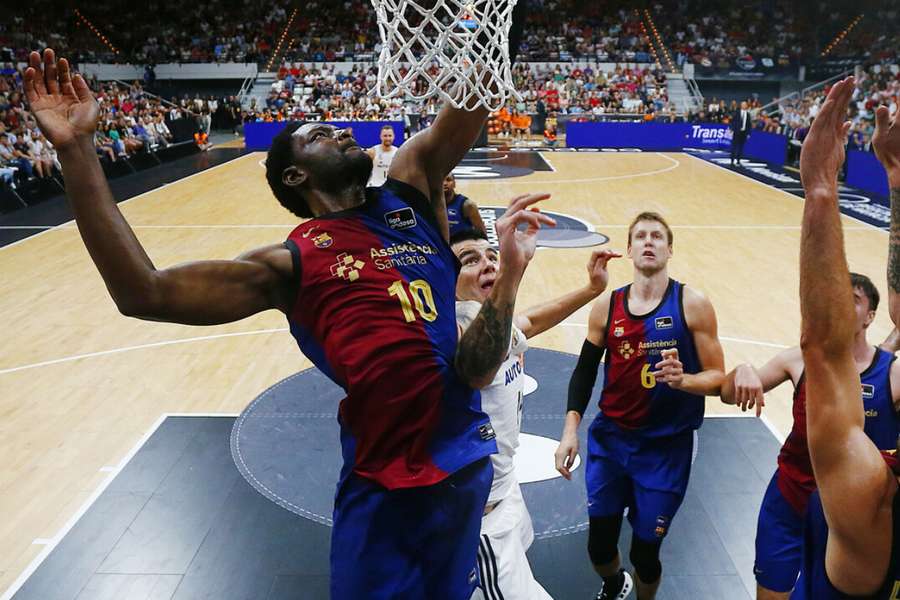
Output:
(455, 49)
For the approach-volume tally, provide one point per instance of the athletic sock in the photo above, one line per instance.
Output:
(612, 585)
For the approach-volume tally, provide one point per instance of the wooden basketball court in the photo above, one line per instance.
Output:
(81, 385)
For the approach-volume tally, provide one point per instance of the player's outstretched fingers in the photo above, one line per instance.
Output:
(65, 78)
(560, 459)
(760, 402)
(740, 397)
(534, 220)
(50, 76)
(882, 118)
(34, 62)
(524, 201)
(81, 89)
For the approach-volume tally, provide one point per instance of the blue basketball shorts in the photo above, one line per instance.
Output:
(649, 476)
(409, 543)
(779, 541)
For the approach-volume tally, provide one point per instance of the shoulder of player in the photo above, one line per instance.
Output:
(277, 257)
(600, 311)
(895, 378)
(697, 306)
(789, 361)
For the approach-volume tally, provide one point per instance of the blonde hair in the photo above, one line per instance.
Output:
(651, 216)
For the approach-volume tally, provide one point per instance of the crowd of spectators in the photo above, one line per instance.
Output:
(154, 31)
(705, 33)
(329, 92)
(131, 121)
(878, 85)
(24, 153)
(589, 31)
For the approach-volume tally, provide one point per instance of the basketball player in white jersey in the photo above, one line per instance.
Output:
(382, 156)
(506, 530)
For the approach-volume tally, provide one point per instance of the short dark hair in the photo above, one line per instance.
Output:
(279, 158)
(384, 127)
(868, 288)
(467, 234)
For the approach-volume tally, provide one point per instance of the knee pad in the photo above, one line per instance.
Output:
(645, 558)
(603, 539)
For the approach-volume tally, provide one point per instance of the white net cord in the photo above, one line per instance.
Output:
(455, 49)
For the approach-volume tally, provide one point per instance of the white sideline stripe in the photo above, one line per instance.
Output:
(51, 543)
(721, 337)
(515, 181)
(753, 342)
(42, 541)
(165, 185)
(292, 225)
(778, 435)
(771, 187)
(74, 227)
(544, 156)
(139, 347)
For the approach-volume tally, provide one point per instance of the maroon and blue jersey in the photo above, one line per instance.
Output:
(456, 217)
(795, 474)
(375, 311)
(631, 397)
(814, 583)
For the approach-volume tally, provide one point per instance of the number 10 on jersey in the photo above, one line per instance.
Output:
(422, 299)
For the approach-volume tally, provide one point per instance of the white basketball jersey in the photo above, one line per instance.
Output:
(383, 159)
(502, 401)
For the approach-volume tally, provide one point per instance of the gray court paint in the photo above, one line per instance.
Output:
(286, 445)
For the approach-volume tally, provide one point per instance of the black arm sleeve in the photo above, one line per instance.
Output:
(584, 376)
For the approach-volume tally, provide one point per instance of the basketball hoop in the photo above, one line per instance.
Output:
(456, 49)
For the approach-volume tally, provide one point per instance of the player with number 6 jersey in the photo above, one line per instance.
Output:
(662, 356)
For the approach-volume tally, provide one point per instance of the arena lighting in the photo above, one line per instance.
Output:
(840, 37)
(96, 31)
(658, 40)
(284, 33)
(646, 35)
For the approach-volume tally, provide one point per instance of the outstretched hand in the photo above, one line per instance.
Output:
(63, 105)
(517, 246)
(597, 269)
(886, 143)
(823, 149)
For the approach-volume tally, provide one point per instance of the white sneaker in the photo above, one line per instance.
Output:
(624, 592)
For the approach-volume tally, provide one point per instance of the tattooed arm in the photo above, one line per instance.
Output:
(893, 270)
(886, 142)
(485, 344)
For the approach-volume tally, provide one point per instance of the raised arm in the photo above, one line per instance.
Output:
(581, 384)
(200, 293)
(539, 318)
(855, 484)
(484, 345)
(745, 385)
(892, 342)
(886, 143)
(701, 320)
(430, 155)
